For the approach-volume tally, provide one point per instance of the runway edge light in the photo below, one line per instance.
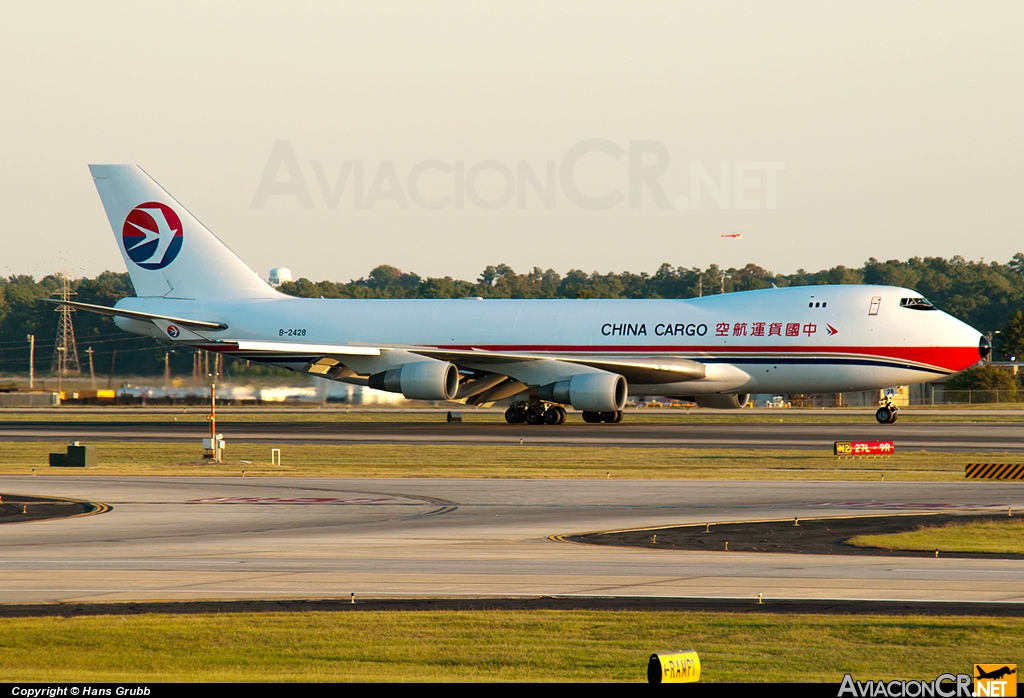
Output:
(680, 666)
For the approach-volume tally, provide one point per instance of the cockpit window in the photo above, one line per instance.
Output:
(916, 304)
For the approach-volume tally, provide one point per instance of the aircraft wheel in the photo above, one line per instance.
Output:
(534, 417)
(512, 416)
(561, 414)
(591, 417)
(610, 417)
(893, 415)
(885, 416)
(618, 417)
(551, 416)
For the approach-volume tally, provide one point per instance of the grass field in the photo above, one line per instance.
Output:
(496, 646)
(972, 537)
(508, 461)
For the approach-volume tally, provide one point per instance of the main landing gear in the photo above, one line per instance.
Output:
(535, 413)
(544, 413)
(595, 417)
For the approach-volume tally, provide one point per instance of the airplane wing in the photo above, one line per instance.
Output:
(633, 370)
(328, 360)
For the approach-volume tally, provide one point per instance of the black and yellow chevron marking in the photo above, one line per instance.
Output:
(994, 471)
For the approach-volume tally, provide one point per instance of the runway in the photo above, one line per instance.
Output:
(998, 437)
(187, 539)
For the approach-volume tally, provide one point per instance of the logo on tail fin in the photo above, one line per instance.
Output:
(152, 235)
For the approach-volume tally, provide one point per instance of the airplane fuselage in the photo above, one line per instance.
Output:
(801, 339)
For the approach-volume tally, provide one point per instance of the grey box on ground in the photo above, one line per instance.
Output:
(29, 399)
(78, 456)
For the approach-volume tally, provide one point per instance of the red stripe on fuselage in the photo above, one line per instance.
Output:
(946, 358)
(950, 359)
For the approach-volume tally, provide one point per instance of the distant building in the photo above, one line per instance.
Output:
(280, 275)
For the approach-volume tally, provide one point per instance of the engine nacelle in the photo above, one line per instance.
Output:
(423, 380)
(722, 402)
(593, 392)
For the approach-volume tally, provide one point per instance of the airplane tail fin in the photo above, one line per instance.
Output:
(168, 252)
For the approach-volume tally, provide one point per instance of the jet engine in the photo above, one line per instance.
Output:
(722, 402)
(593, 392)
(423, 380)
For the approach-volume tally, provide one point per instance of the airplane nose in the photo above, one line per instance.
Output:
(984, 347)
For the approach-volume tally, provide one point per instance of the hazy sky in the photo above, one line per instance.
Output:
(825, 133)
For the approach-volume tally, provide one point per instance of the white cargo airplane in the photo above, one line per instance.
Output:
(541, 354)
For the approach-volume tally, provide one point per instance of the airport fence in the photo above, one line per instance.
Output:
(975, 397)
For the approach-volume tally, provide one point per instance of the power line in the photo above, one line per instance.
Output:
(92, 336)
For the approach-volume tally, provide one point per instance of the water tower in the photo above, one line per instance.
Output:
(280, 275)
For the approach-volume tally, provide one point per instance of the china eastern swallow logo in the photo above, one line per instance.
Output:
(173, 331)
(831, 330)
(152, 235)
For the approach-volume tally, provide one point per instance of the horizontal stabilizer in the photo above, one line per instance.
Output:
(138, 315)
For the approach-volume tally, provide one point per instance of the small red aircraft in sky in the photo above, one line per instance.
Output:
(734, 236)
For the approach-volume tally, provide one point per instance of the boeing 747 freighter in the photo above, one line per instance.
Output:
(540, 355)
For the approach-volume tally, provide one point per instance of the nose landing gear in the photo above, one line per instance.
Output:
(886, 414)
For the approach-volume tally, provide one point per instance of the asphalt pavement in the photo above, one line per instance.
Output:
(949, 436)
(201, 539)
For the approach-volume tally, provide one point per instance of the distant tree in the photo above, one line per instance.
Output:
(986, 295)
(891, 273)
(987, 379)
(446, 288)
(751, 277)
(302, 287)
(1011, 339)
(575, 284)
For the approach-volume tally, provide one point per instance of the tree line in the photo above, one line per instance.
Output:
(986, 295)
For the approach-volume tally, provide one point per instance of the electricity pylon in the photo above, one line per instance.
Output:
(65, 352)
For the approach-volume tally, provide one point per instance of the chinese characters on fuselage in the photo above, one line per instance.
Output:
(764, 329)
(722, 329)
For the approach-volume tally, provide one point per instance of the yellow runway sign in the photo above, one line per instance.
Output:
(682, 666)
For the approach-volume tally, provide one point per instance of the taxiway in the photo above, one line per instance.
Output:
(186, 539)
